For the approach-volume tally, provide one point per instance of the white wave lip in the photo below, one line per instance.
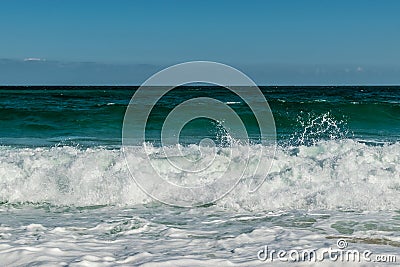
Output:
(336, 174)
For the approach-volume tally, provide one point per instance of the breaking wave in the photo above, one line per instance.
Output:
(332, 174)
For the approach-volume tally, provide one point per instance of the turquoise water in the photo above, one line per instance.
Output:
(68, 199)
(35, 116)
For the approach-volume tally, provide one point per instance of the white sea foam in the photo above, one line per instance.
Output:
(167, 236)
(341, 174)
(295, 208)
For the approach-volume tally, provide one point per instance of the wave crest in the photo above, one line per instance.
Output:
(335, 174)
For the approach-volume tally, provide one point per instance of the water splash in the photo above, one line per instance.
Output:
(315, 128)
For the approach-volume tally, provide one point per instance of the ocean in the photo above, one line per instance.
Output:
(68, 198)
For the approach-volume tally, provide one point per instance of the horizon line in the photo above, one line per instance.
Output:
(190, 85)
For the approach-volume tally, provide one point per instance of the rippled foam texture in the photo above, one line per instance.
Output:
(337, 174)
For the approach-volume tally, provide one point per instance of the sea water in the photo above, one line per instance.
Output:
(67, 197)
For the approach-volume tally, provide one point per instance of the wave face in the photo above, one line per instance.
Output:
(91, 116)
(336, 174)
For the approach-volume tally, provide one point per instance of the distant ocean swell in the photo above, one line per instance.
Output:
(82, 116)
(371, 120)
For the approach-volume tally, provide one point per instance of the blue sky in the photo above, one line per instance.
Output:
(274, 42)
